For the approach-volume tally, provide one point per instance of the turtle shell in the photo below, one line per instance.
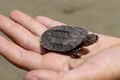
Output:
(83, 32)
(62, 38)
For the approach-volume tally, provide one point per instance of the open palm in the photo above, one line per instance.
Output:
(27, 52)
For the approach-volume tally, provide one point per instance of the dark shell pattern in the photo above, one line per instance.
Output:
(63, 38)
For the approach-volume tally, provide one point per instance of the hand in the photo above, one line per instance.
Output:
(102, 66)
(26, 52)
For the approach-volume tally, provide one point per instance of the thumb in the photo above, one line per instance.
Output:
(41, 75)
(46, 75)
(103, 66)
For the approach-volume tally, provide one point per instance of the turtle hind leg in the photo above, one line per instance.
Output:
(75, 54)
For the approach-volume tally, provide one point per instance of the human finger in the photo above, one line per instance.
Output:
(48, 22)
(18, 56)
(19, 34)
(28, 22)
(45, 75)
(40, 75)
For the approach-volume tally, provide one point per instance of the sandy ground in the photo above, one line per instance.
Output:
(101, 16)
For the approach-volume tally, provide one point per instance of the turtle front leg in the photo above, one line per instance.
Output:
(75, 54)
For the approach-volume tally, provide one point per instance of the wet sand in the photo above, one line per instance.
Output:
(101, 16)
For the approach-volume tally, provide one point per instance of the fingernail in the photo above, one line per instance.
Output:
(34, 78)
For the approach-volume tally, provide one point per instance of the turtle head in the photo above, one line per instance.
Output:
(90, 39)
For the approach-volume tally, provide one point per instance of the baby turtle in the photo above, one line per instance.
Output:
(67, 39)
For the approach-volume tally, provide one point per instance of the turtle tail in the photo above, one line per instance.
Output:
(90, 39)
